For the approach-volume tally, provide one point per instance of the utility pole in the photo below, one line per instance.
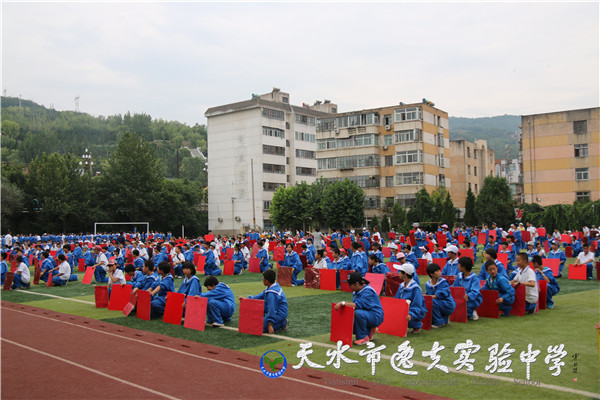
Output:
(253, 201)
(177, 161)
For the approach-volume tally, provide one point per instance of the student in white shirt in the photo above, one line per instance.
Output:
(526, 276)
(64, 272)
(22, 275)
(426, 254)
(586, 257)
(115, 275)
(320, 262)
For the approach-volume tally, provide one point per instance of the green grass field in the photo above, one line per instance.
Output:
(570, 323)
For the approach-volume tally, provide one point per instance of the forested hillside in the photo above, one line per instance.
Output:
(498, 131)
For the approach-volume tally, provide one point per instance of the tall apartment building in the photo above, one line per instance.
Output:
(256, 146)
(560, 155)
(511, 171)
(390, 152)
(471, 163)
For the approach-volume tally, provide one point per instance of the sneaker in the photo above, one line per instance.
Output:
(416, 330)
(373, 332)
(550, 306)
(436, 326)
(362, 341)
(589, 278)
(475, 316)
(284, 329)
(217, 325)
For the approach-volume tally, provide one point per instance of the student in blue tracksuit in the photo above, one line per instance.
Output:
(221, 302)
(490, 245)
(377, 266)
(368, 314)
(499, 282)
(545, 274)
(188, 254)
(138, 262)
(276, 306)
(557, 254)
(263, 256)
(310, 247)
(166, 285)
(451, 267)
(357, 262)
(443, 303)
(531, 251)
(210, 265)
(410, 290)
(46, 266)
(137, 277)
(4, 266)
(152, 278)
(510, 257)
(466, 278)
(490, 254)
(310, 258)
(191, 284)
(338, 264)
(240, 262)
(292, 259)
(411, 256)
(178, 259)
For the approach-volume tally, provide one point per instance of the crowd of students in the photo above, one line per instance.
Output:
(154, 262)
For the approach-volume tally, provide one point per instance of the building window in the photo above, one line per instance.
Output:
(325, 124)
(407, 114)
(273, 150)
(388, 140)
(440, 160)
(311, 155)
(387, 119)
(268, 131)
(468, 170)
(409, 135)
(440, 140)
(409, 178)
(273, 114)
(579, 127)
(475, 154)
(406, 200)
(363, 181)
(306, 120)
(582, 174)
(285, 100)
(476, 189)
(272, 186)
(442, 180)
(345, 121)
(468, 152)
(306, 171)
(581, 150)
(582, 196)
(407, 157)
(274, 168)
(307, 137)
(372, 202)
(389, 161)
(266, 205)
(366, 160)
(389, 181)
(475, 171)
(353, 141)
(333, 110)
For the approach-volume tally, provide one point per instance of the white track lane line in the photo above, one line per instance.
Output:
(154, 392)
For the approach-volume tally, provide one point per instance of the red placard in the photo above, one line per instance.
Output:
(53, 253)
(81, 264)
(195, 312)
(569, 251)
(392, 283)
(143, 307)
(8, 280)
(284, 276)
(395, 312)
(343, 278)
(546, 246)
(254, 250)
(327, 279)
(31, 259)
(254, 265)
(251, 316)
(541, 231)
(441, 239)
(386, 251)
(466, 253)
(577, 271)
(279, 253)
(37, 274)
(503, 258)
(430, 246)
(174, 308)
(441, 262)
(449, 278)
(422, 270)
(272, 245)
(130, 305)
(229, 253)
(412, 239)
(525, 236)
(552, 263)
(304, 261)
(49, 280)
(342, 324)
(488, 307)
(518, 307)
(89, 274)
(492, 233)
(13, 266)
(542, 298)
(461, 239)
(347, 242)
(481, 238)
(209, 238)
(311, 278)
(119, 297)
(460, 312)
(376, 281)
(426, 321)
(392, 235)
(228, 266)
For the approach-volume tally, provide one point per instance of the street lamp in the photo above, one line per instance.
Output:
(86, 161)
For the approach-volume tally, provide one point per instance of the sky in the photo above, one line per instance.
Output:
(176, 60)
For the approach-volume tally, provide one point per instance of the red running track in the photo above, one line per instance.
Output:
(50, 355)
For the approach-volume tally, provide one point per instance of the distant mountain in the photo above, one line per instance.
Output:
(498, 131)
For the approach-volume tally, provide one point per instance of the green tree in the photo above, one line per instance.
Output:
(343, 204)
(374, 221)
(470, 218)
(449, 212)
(494, 202)
(132, 180)
(398, 216)
(12, 203)
(194, 169)
(385, 225)
(317, 188)
(178, 201)
(423, 209)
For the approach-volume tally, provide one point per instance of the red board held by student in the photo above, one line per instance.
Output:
(342, 324)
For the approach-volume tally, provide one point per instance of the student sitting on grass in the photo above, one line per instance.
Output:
(491, 255)
(137, 277)
(166, 284)
(292, 259)
(510, 258)
(368, 314)
(46, 266)
(410, 290)
(210, 264)
(22, 275)
(61, 277)
(499, 282)
(545, 274)
(115, 276)
(443, 302)
(239, 260)
(310, 258)
(263, 256)
(276, 306)
(376, 251)
(526, 277)
(221, 302)
(4, 266)
(377, 266)
(467, 279)
(191, 284)
(451, 267)
(558, 254)
(321, 261)
(586, 257)
(357, 261)
(151, 279)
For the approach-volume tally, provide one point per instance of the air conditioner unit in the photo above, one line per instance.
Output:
(385, 147)
(238, 219)
(336, 130)
(220, 219)
(388, 128)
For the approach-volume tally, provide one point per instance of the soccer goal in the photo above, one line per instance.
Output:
(121, 223)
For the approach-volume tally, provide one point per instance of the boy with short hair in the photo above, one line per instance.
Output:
(499, 282)
(221, 302)
(526, 277)
(210, 265)
(276, 306)
(166, 284)
(556, 253)
(443, 302)
(263, 256)
(491, 255)
(22, 275)
(586, 257)
(545, 274)
(467, 279)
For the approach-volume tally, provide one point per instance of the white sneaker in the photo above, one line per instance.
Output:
(475, 316)
(217, 325)
(435, 326)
